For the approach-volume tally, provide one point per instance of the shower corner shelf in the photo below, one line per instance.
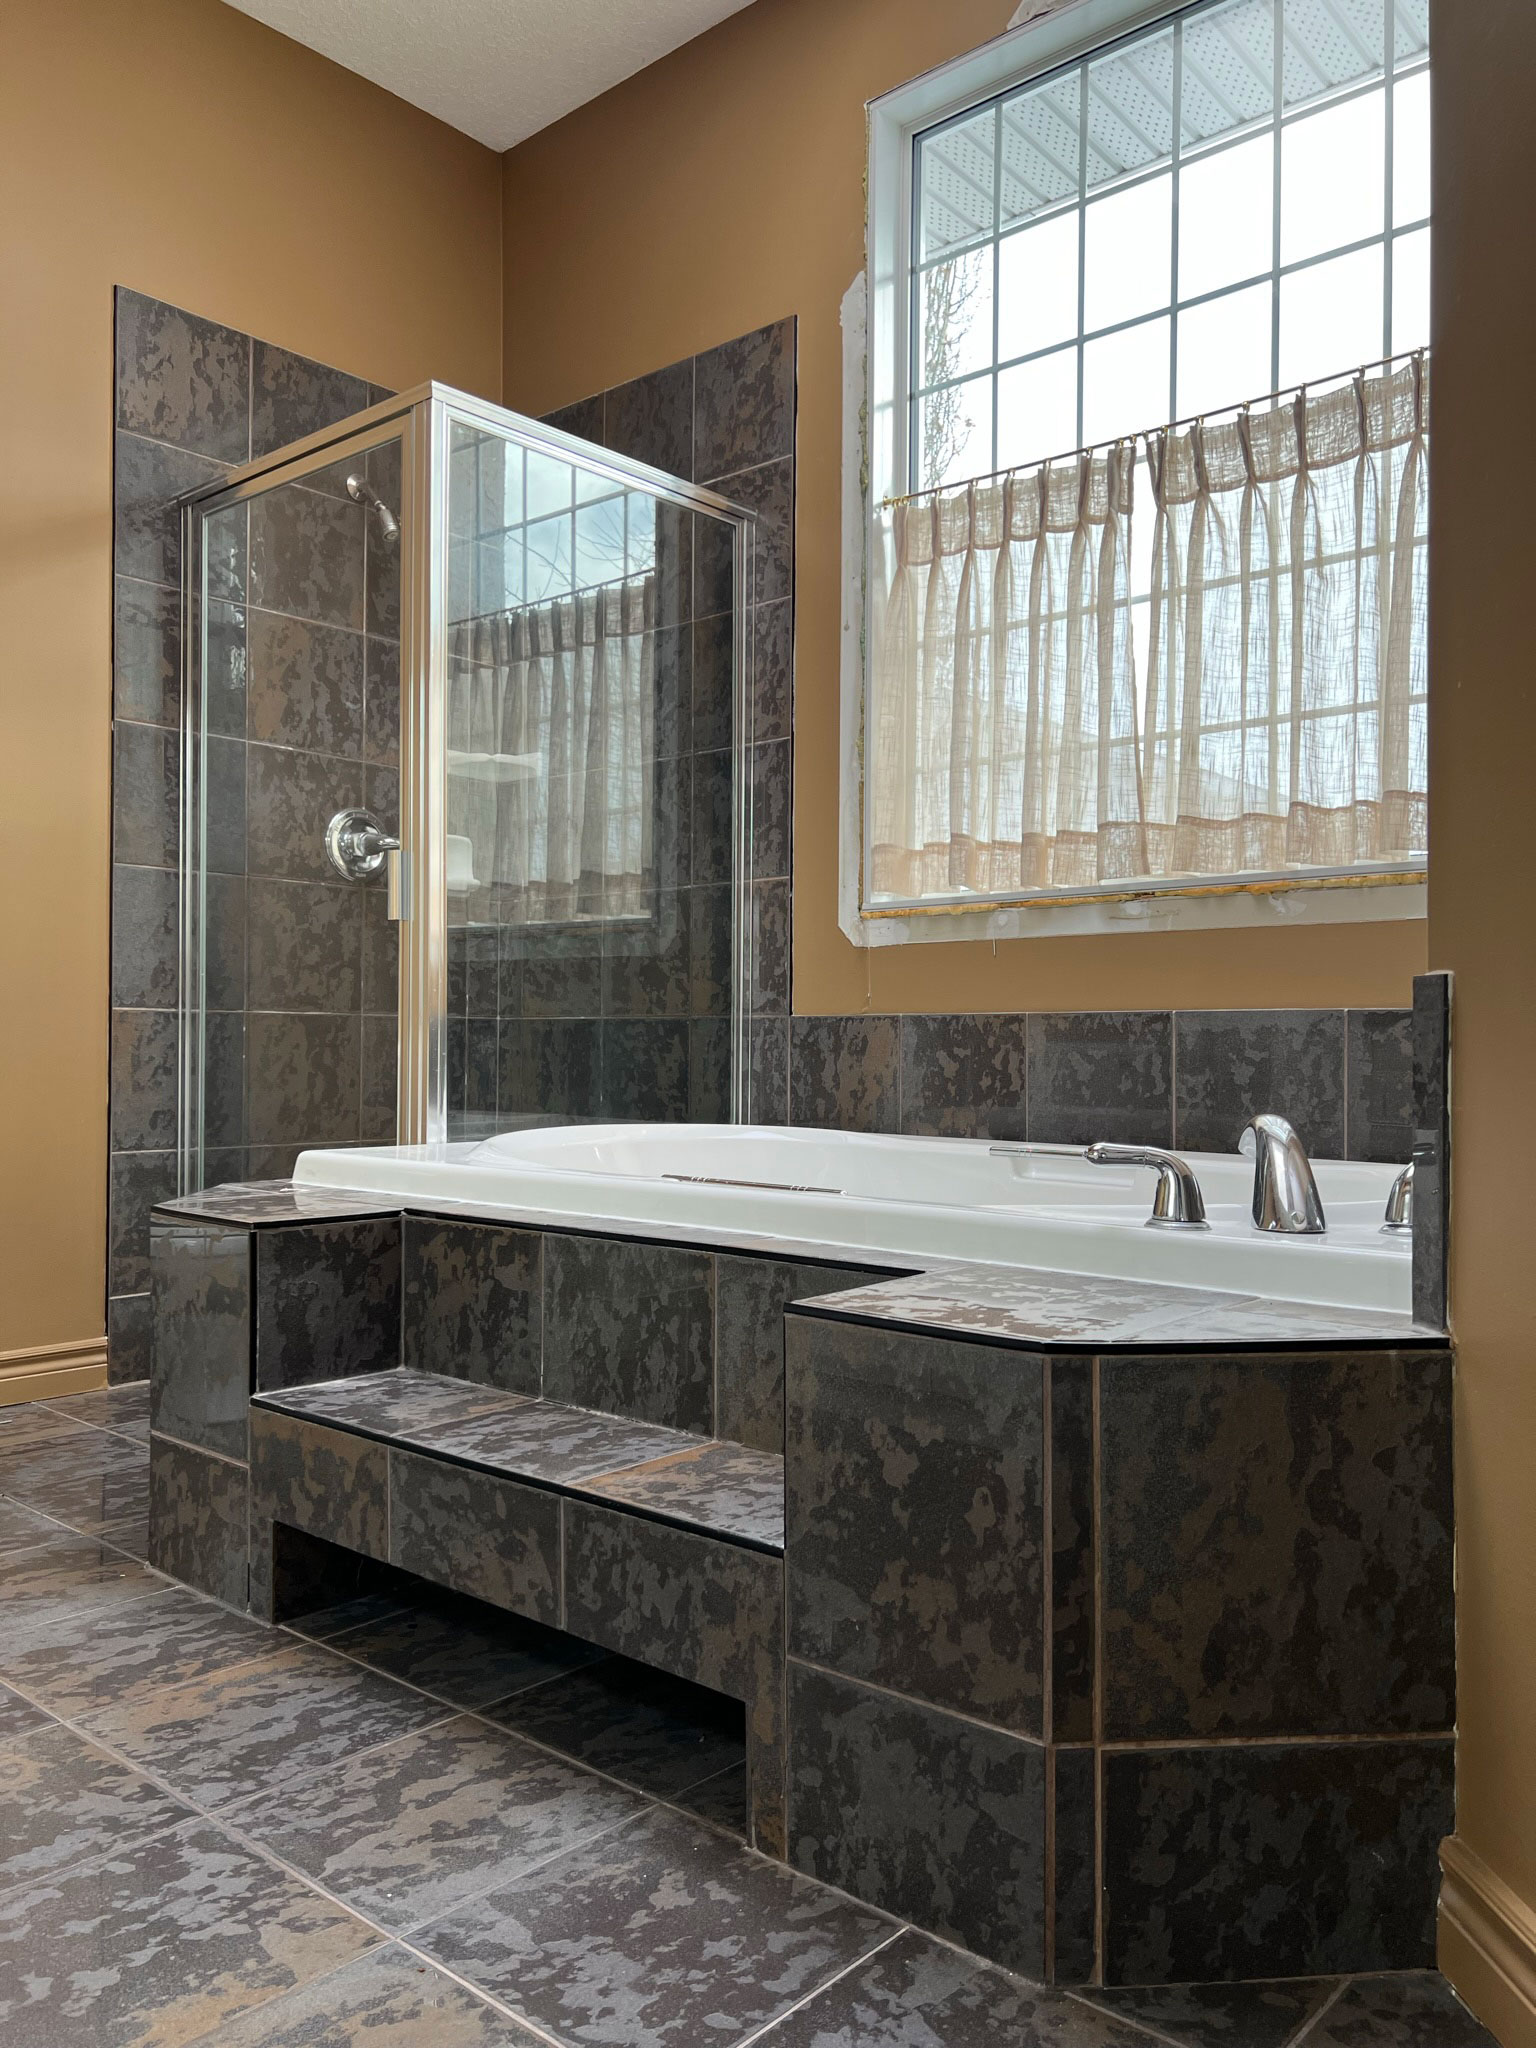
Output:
(469, 767)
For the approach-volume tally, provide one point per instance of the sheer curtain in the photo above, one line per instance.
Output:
(551, 741)
(1012, 746)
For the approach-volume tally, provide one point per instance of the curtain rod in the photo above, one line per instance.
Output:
(1273, 400)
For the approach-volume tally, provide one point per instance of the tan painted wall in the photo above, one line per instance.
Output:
(1482, 763)
(176, 146)
(722, 188)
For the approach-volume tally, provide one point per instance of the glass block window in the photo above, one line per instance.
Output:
(1230, 203)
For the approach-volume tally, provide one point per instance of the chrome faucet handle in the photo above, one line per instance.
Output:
(1399, 1216)
(1177, 1203)
(1285, 1197)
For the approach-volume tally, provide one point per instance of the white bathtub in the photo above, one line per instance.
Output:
(911, 1201)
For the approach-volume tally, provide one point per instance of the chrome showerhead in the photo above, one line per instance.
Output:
(362, 493)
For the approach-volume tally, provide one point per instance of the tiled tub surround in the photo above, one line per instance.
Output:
(302, 718)
(584, 1431)
(1117, 1620)
(1130, 1664)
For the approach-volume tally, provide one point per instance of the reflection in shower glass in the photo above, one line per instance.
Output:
(589, 726)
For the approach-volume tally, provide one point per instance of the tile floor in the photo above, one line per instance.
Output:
(417, 1822)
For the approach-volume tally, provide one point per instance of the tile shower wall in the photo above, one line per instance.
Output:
(611, 1020)
(302, 716)
(1190, 1078)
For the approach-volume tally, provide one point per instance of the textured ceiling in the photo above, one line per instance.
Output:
(497, 69)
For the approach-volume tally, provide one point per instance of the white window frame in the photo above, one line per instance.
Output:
(876, 466)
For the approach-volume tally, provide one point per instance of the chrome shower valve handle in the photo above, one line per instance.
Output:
(358, 845)
(1177, 1203)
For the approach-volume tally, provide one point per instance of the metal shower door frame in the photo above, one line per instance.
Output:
(423, 420)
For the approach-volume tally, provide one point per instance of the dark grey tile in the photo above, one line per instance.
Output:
(673, 823)
(201, 1288)
(552, 1069)
(292, 797)
(769, 491)
(393, 1403)
(226, 536)
(845, 1073)
(710, 857)
(1233, 1065)
(651, 419)
(1074, 1844)
(706, 1611)
(146, 795)
(21, 1528)
(381, 702)
(224, 802)
(1100, 1075)
(304, 1079)
(1272, 1860)
(672, 683)
(472, 1302)
(773, 670)
(321, 1481)
(182, 379)
(915, 1994)
(86, 1484)
(655, 1733)
(562, 975)
(306, 942)
(1219, 2015)
(147, 479)
(24, 1423)
(224, 667)
(481, 1535)
(709, 1070)
(1380, 1106)
(64, 1801)
(935, 1819)
(916, 1517)
(146, 653)
(1074, 1576)
(630, 1328)
(327, 1302)
(645, 969)
(68, 1575)
(305, 684)
(770, 772)
(138, 1180)
(253, 1728)
(462, 1651)
(224, 941)
(750, 1298)
(185, 1932)
(144, 1060)
(224, 1110)
(545, 1440)
(78, 1663)
(1416, 2009)
(744, 401)
(963, 1076)
(128, 1337)
(583, 418)
(708, 911)
(714, 681)
(768, 978)
(119, 1408)
(381, 608)
(723, 1489)
(197, 1520)
(474, 1070)
(385, 1996)
(768, 1075)
(1431, 1146)
(381, 956)
(445, 1814)
(292, 397)
(307, 552)
(573, 1944)
(1247, 1504)
(720, 1800)
(645, 1069)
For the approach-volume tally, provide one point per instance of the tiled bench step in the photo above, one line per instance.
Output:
(704, 1483)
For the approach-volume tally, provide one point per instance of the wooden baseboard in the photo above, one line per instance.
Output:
(47, 1369)
(1488, 1945)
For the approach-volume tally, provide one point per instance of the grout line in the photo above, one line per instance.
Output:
(1312, 2019)
(1080, 1995)
(767, 2030)
(927, 1706)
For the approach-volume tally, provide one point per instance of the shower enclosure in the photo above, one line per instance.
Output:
(466, 812)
